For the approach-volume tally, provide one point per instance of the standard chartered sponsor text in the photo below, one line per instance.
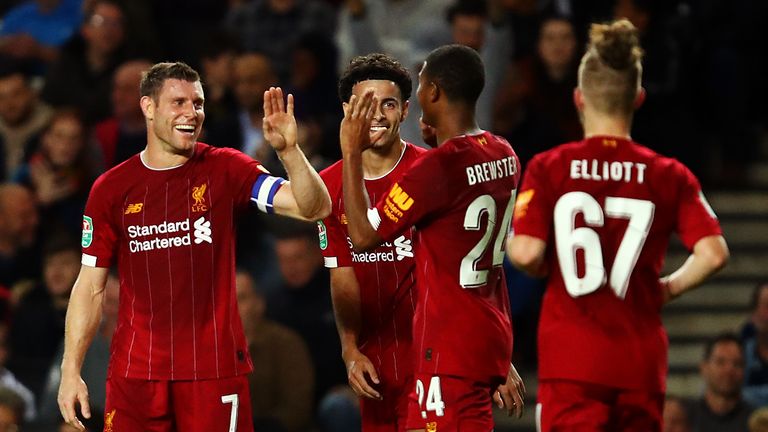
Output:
(137, 231)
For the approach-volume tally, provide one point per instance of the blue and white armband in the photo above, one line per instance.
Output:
(264, 190)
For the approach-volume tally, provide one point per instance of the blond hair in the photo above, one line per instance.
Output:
(611, 69)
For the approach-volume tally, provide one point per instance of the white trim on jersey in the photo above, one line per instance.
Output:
(402, 152)
(331, 262)
(88, 260)
(374, 218)
(264, 190)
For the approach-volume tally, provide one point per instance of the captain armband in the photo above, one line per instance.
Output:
(264, 190)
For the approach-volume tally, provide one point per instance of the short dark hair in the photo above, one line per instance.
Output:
(459, 72)
(756, 294)
(374, 66)
(468, 8)
(153, 79)
(726, 337)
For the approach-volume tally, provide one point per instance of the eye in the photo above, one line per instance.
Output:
(390, 105)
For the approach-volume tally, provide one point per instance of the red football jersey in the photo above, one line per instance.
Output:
(460, 198)
(385, 275)
(171, 232)
(606, 207)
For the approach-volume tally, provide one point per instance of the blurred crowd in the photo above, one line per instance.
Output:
(69, 75)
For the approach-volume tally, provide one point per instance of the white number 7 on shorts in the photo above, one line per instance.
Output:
(234, 400)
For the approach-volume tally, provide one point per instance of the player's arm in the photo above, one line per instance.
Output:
(305, 195)
(345, 293)
(527, 253)
(355, 137)
(710, 254)
(83, 319)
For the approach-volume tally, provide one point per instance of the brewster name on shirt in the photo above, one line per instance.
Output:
(135, 231)
(594, 169)
(493, 170)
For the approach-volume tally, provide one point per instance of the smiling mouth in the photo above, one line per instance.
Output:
(375, 129)
(185, 128)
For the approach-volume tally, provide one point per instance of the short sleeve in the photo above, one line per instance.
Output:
(333, 242)
(695, 217)
(414, 197)
(533, 206)
(99, 236)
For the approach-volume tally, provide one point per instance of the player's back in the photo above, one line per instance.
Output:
(462, 325)
(613, 205)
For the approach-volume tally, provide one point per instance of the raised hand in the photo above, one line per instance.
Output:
(355, 130)
(279, 124)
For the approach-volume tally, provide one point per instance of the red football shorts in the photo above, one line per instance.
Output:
(388, 414)
(170, 406)
(449, 404)
(575, 406)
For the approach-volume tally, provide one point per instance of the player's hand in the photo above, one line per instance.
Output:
(666, 291)
(358, 366)
(73, 391)
(355, 131)
(279, 124)
(511, 395)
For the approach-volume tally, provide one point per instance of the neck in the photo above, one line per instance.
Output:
(557, 73)
(457, 120)
(377, 162)
(598, 124)
(157, 157)
(720, 404)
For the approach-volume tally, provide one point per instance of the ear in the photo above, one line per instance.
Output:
(404, 114)
(434, 92)
(147, 107)
(578, 99)
(639, 98)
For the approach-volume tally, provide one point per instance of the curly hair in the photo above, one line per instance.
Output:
(375, 66)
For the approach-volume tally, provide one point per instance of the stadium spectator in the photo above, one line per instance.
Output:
(35, 30)
(535, 107)
(124, 134)
(721, 408)
(38, 323)
(303, 304)
(273, 28)
(22, 117)
(11, 411)
(755, 340)
(60, 173)
(9, 381)
(604, 290)
(82, 76)
(675, 417)
(19, 252)
(282, 381)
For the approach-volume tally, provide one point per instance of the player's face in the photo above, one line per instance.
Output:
(422, 93)
(724, 371)
(176, 117)
(390, 112)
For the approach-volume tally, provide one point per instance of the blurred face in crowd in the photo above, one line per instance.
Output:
(250, 304)
(16, 99)
(760, 314)
(64, 140)
(176, 116)
(305, 68)
(218, 70)
(282, 6)
(253, 76)
(723, 371)
(126, 92)
(469, 30)
(105, 30)
(675, 417)
(60, 271)
(18, 215)
(390, 112)
(299, 258)
(557, 43)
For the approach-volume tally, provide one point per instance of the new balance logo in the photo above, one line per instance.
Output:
(403, 248)
(202, 231)
(134, 208)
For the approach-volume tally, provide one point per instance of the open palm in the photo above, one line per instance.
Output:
(279, 125)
